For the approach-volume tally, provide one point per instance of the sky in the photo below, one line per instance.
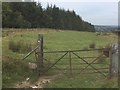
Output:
(97, 12)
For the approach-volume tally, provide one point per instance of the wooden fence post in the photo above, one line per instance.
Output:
(40, 52)
(70, 63)
(114, 60)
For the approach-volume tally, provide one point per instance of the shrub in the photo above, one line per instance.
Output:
(19, 46)
(15, 47)
(92, 45)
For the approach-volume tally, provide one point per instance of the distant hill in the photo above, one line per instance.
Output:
(101, 28)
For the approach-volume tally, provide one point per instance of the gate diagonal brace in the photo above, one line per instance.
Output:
(88, 64)
(54, 65)
(56, 62)
(51, 63)
(30, 53)
(91, 62)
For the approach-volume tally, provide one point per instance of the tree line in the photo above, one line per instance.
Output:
(32, 15)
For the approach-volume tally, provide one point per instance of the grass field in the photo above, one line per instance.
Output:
(15, 70)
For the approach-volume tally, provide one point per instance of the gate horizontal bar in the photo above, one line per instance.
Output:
(92, 72)
(81, 68)
(78, 63)
(85, 57)
(71, 51)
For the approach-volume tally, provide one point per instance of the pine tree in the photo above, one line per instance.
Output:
(32, 15)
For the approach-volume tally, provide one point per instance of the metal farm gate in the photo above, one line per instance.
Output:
(100, 61)
(78, 61)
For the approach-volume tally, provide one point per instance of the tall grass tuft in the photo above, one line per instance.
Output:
(13, 71)
(20, 46)
(15, 47)
(92, 45)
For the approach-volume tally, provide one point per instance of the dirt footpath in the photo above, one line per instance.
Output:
(41, 81)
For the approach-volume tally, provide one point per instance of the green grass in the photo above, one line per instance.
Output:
(13, 71)
(82, 81)
(16, 70)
